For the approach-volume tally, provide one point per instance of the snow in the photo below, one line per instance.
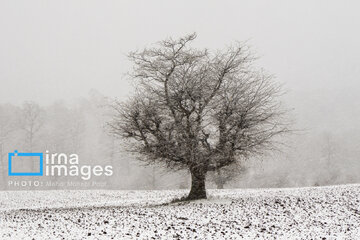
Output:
(303, 213)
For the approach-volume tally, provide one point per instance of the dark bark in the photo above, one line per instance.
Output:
(198, 190)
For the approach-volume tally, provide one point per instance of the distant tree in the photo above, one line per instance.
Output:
(31, 121)
(329, 148)
(329, 160)
(226, 174)
(198, 110)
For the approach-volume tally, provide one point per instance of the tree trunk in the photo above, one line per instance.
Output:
(198, 190)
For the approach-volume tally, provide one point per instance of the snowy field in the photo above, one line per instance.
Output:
(304, 213)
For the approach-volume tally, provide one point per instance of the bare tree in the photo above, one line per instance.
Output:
(198, 110)
(329, 149)
(31, 122)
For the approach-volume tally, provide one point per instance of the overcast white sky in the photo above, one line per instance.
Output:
(53, 50)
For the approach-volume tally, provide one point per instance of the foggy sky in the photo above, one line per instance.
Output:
(52, 50)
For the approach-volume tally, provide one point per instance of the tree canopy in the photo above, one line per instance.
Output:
(199, 110)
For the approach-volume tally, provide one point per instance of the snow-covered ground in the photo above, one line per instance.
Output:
(303, 213)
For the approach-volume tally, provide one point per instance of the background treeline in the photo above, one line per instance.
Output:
(78, 127)
(321, 155)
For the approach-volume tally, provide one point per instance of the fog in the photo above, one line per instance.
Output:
(69, 58)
